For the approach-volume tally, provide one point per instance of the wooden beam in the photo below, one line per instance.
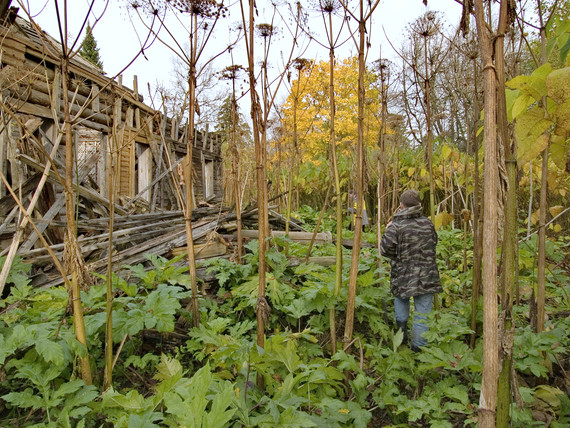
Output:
(83, 191)
(205, 250)
(301, 237)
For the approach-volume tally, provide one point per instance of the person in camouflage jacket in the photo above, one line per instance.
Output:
(409, 242)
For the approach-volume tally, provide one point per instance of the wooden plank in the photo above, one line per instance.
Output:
(126, 163)
(58, 205)
(3, 161)
(161, 153)
(301, 237)
(83, 191)
(7, 202)
(158, 246)
(120, 237)
(136, 233)
(204, 251)
(8, 219)
(156, 180)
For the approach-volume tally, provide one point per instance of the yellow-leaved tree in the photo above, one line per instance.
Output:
(313, 120)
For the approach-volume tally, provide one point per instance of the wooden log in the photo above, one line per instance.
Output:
(16, 46)
(347, 243)
(35, 97)
(301, 237)
(93, 99)
(45, 112)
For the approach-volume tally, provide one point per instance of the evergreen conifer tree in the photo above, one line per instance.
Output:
(224, 122)
(89, 49)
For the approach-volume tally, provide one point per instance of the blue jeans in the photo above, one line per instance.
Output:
(422, 305)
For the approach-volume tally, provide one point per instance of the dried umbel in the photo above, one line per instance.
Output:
(231, 72)
(328, 6)
(471, 48)
(383, 67)
(265, 30)
(149, 7)
(203, 8)
(427, 25)
(301, 63)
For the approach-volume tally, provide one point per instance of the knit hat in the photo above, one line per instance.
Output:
(410, 198)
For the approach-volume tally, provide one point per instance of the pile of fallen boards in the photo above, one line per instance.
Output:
(158, 233)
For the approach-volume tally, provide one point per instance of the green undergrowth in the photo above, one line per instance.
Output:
(169, 374)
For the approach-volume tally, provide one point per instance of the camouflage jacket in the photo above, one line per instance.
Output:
(409, 242)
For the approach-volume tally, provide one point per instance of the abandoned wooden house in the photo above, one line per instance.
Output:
(116, 136)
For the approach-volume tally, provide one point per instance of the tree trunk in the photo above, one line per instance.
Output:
(188, 172)
(262, 307)
(510, 241)
(336, 175)
(235, 173)
(381, 162)
(488, 397)
(349, 325)
(477, 229)
(541, 272)
(429, 142)
(110, 177)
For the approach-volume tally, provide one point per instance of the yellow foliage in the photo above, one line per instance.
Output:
(558, 150)
(555, 210)
(311, 91)
(442, 219)
(534, 217)
(547, 396)
(446, 151)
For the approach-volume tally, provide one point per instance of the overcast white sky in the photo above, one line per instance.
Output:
(119, 42)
